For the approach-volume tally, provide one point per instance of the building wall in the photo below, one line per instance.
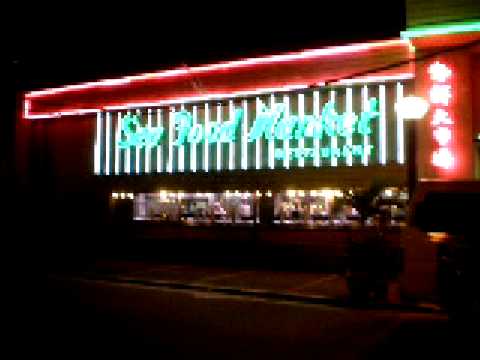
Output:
(423, 12)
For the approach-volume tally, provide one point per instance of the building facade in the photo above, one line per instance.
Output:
(290, 139)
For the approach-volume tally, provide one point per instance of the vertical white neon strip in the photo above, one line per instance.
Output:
(333, 144)
(207, 132)
(231, 146)
(148, 149)
(137, 148)
(382, 133)
(108, 126)
(301, 114)
(258, 143)
(219, 143)
(126, 168)
(159, 146)
(400, 129)
(117, 139)
(366, 144)
(181, 150)
(245, 136)
(316, 113)
(286, 142)
(97, 147)
(349, 108)
(271, 142)
(193, 146)
(171, 125)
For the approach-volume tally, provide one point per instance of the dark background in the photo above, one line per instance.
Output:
(53, 44)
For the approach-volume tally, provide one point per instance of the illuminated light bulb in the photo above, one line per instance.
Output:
(122, 195)
(443, 158)
(412, 107)
(313, 193)
(301, 193)
(441, 94)
(388, 192)
(269, 193)
(130, 196)
(442, 135)
(439, 72)
(291, 193)
(441, 117)
(258, 193)
(115, 195)
(437, 237)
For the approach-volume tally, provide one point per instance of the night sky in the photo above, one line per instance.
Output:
(52, 45)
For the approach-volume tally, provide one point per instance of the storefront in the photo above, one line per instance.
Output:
(284, 140)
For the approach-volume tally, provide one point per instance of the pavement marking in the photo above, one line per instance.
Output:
(225, 276)
(315, 282)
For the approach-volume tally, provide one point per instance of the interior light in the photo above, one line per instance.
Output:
(412, 107)
(437, 237)
(114, 195)
(122, 195)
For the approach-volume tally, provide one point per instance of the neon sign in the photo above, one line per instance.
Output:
(214, 132)
(134, 134)
(272, 124)
(440, 95)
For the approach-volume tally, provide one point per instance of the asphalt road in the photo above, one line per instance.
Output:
(79, 318)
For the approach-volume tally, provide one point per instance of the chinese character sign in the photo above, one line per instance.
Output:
(440, 94)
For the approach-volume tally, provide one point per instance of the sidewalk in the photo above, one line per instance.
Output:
(305, 287)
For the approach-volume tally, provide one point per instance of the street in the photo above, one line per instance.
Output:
(87, 317)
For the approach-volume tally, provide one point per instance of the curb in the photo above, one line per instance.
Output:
(260, 294)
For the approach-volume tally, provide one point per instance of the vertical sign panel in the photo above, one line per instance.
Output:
(181, 150)
(219, 144)
(171, 127)
(126, 167)
(258, 145)
(148, 149)
(316, 141)
(137, 148)
(400, 129)
(117, 140)
(160, 146)
(366, 141)
(193, 145)
(382, 130)
(97, 146)
(206, 148)
(271, 142)
(349, 125)
(245, 136)
(333, 140)
(286, 143)
(301, 142)
(108, 126)
(231, 145)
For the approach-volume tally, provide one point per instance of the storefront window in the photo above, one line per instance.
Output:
(196, 208)
(304, 208)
